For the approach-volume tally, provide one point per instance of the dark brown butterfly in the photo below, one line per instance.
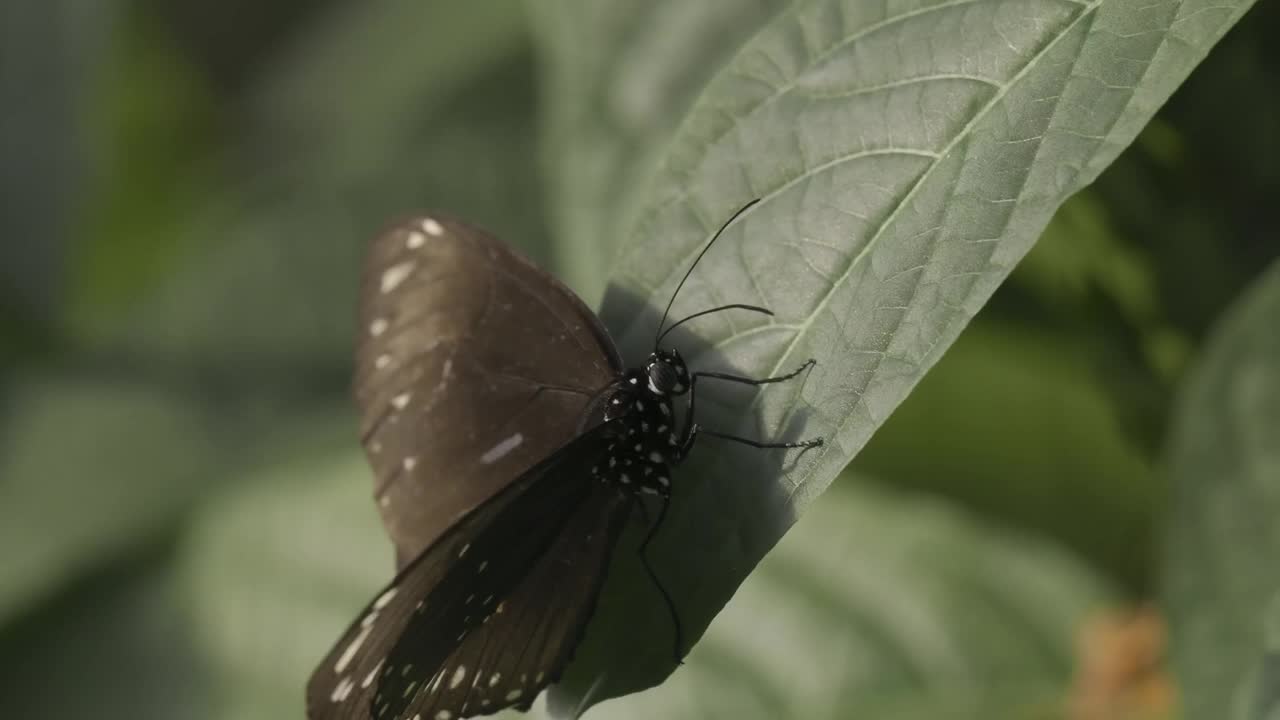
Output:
(510, 447)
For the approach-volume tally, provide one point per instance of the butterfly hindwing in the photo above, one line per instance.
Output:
(405, 650)
(530, 635)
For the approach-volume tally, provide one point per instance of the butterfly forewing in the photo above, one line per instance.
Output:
(506, 590)
(472, 366)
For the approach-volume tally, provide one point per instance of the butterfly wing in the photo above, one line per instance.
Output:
(490, 613)
(472, 366)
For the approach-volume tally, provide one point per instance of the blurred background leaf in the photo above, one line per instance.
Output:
(47, 56)
(107, 486)
(184, 192)
(619, 78)
(117, 646)
(1222, 581)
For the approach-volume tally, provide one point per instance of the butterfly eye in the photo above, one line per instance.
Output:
(662, 377)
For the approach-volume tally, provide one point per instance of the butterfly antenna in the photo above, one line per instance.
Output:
(705, 248)
(734, 306)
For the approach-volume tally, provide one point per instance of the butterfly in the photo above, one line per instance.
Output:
(510, 447)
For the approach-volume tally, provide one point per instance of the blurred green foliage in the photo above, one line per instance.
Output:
(1222, 587)
(185, 195)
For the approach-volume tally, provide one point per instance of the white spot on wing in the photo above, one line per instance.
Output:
(368, 679)
(415, 240)
(435, 681)
(395, 275)
(458, 676)
(410, 463)
(400, 401)
(499, 451)
(444, 715)
(385, 598)
(514, 694)
(382, 361)
(494, 679)
(431, 227)
(378, 326)
(343, 689)
(349, 654)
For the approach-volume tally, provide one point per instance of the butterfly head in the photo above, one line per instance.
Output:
(667, 373)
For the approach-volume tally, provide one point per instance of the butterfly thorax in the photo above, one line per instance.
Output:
(638, 458)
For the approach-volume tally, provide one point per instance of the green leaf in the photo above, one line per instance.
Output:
(275, 569)
(90, 470)
(886, 605)
(908, 155)
(357, 85)
(151, 132)
(1267, 702)
(272, 276)
(879, 600)
(48, 54)
(1016, 423)
(118, 648)
(1222, 580)
(619, 77)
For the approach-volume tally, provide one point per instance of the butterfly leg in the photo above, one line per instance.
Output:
(691, 428)
(665, 496)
